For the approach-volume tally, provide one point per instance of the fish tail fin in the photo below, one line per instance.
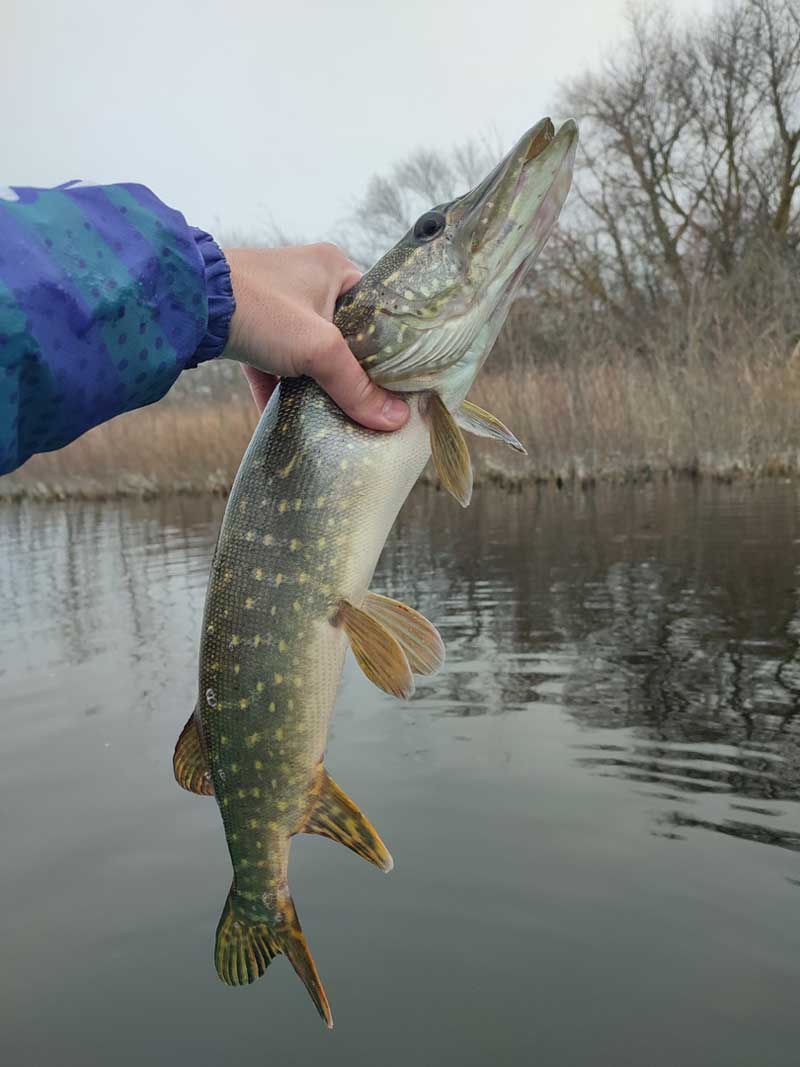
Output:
(245, 948)
(295, 946)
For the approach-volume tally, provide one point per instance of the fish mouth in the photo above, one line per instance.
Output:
(539, 137)
(509, 216)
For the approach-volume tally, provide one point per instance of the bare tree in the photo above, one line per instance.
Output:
(392, 203)
(776, 33)
(691, 147)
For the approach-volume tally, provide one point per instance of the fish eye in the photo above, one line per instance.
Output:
(429, 225)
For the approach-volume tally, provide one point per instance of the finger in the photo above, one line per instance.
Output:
(348, 279)
(351, 275)
(261, 385)
(340, 375)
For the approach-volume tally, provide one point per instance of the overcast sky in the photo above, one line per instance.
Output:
(242, 113)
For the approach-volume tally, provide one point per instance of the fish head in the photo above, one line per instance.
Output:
(426, 315)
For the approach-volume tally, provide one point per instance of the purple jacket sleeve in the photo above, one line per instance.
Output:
(106, 295)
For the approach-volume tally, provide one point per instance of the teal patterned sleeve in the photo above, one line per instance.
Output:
(106, 296)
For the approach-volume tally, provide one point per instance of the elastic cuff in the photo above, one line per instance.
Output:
(219, 296)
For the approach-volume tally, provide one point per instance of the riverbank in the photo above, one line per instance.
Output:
(613, 422)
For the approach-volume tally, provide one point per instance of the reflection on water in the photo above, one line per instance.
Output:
(613, 744)
(669, 618)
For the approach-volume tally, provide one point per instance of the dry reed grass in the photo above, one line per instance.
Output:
(615, 419)
(619, 419)
(165, 448)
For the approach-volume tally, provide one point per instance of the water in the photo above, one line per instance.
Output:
(593, 810)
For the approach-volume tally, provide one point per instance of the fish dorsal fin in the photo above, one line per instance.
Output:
(450, 453)
(334, 815)
(483, 424)
(377, 652)
(417, 637)
(189, 761)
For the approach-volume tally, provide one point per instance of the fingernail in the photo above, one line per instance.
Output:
(394, 408)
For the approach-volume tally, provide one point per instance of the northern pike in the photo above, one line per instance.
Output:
(310, 509)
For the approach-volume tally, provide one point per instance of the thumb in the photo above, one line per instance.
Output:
(343, 379)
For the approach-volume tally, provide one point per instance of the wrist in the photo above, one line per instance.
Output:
(238, 288)
(219, 295)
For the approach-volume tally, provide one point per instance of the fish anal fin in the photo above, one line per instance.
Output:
(482, 423)
(245, 948)
(334, 815)
(418, 638)
(449, 451)
(189, 761)
(377, 652)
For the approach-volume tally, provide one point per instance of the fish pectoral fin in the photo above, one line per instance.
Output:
(189, 761)
(244, 949)
(378, 654)
(418, 638)
(449, 451)
(483, 424)
(334, 815)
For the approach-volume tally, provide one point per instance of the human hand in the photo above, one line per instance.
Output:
(282, 327)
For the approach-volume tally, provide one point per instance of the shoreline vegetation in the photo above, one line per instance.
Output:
(612, 422)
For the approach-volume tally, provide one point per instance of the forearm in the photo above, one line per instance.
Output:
(106, 295)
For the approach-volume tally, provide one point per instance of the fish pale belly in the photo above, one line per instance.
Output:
(386, 472)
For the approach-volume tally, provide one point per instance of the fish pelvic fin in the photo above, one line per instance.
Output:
(333, 814)
(244, 949)
(483, 424)
(449, 452)
(418, 638)
(189, 761)
(378, 653)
